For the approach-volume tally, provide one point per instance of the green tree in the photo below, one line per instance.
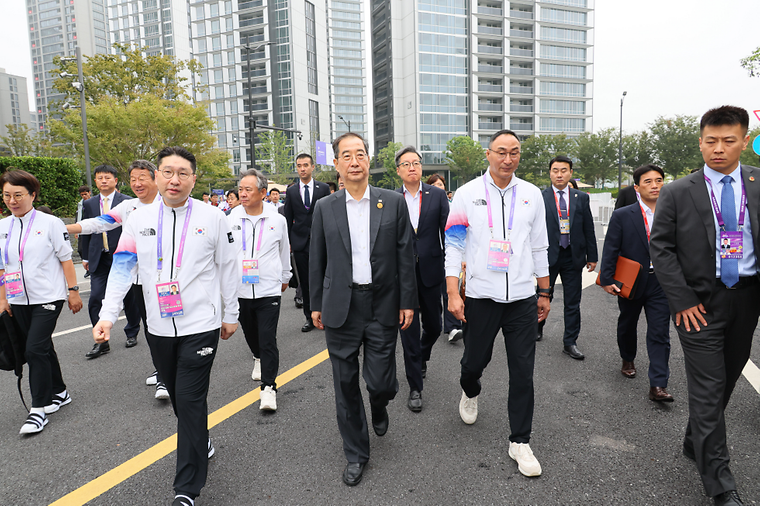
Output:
(749, 157)
(536, 153)
(752, 63)
(675, 144)
(597, 155)
(387, 158)
(23, 141)
(465, 157)
(273, 149)
(637, 151)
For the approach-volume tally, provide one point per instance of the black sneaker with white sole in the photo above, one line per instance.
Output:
(34, 423)
(182, 500)
(59, 400)
(152, 379)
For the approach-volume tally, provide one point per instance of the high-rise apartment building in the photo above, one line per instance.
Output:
(446, 68)
(161, 26)
(14, 102)
(56, 28)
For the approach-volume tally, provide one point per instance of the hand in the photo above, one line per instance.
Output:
(5, 306)
(611, 289)
(405, 317)
(544, 307)
(75, 302)
(316, 318)
(693, 315)
(101, 332)
(456, 306)
(227, 330)
(591, 266)
(86, 265)
(284, 286)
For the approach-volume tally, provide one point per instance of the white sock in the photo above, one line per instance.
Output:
(62, 394)
(39, 411)
(192, 503)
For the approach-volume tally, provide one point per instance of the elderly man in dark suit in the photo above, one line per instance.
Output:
(361, 251)
(300, 201)
(97, 257)
(713, 292)
(572, 246)
(428, 211)
(628, 236)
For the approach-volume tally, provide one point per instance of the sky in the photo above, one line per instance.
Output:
(671, 56)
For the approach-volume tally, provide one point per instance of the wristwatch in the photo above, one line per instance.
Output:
(74, 288)
(544, 290)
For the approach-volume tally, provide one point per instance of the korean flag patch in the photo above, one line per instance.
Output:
(526, 203)
(38, 232)
(199, 231)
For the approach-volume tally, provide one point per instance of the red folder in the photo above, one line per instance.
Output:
(627, 273)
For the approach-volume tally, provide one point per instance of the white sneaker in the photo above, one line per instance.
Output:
(268, 399)
(256, 374)
(455, 335)
(161, 392)
(34, 423)
(468, 409)
(527, 464)
(152, 379)
(58, 400)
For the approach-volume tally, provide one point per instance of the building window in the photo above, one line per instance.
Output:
(311, 48)
(314, 119)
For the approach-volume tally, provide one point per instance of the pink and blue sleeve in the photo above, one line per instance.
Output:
(456, 233)
(121, 277)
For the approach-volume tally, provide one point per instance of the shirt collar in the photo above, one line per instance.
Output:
(365, 196)
(489, 180)
(716, 176)
(566, 190)
(414, 194)
(310, 183)
(645, 207)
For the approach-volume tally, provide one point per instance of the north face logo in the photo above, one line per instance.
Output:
(205, 351)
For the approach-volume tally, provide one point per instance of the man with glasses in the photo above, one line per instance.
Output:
(362, 248)
(428, 210)
(497, 224)
(572, 246)
(97, 256)
(184, 255)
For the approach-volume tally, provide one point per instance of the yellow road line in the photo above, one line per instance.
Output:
(107, 481)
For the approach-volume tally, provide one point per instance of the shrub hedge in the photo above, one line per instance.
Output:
(60, 179)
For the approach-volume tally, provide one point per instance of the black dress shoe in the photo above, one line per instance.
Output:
(299, 302)
(98, 350)
(352, 474)
(424, 369)
(131, 341)
(415, 401)
(540, 334)
(87, 274)
(380, 421)
(308, 326)
(688, 450)
(574, 352)
(728, 498)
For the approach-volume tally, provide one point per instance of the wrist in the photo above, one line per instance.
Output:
(544, 295)
(546, 291)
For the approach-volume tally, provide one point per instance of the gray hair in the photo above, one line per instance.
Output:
(406, 149)
(347, 135)
(143, 165)
(262, 182)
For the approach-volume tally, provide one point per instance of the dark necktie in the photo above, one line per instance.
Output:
(564, 239)
(306, 198)
(729, 267)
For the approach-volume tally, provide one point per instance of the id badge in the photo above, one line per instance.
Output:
(498, 255)
(564, 225)
(731, 244)
(169, 299)
(250, 271)
(13, 285)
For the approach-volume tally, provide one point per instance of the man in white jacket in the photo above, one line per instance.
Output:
(184, 255)
(263, 262)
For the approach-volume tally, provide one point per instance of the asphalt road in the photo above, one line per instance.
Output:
(599, 439)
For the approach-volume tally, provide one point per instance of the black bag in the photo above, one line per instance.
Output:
(12, 349)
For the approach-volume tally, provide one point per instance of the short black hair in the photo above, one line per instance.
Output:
(561, 159)
(333, 186)
(46, 210)
(274, 190)
(176, 151)
(725, 115)
(18, 177)
(305, 155)
(142, 165)
(336, 142)
(84, 188)
(204, 193)
(644, 169)
(235, 193)
(106, 169)
(406, 149)
(499, 134)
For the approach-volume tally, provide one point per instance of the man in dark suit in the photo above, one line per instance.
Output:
(713, 293)
(362, 255)
(97, 256)
(428, 211)
(626, 197)
(300, 200)
(628, 237)
(572, 246)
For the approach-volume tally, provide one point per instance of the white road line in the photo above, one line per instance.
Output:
(71, 331)
(752, 373)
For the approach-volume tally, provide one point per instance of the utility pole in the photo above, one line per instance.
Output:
(79, 86)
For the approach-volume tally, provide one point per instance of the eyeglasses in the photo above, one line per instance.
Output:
(183, 175)
(406, 165)
(361, 155)
(16, 196)
(501, 155)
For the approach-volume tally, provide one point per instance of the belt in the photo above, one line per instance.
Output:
(744, 282)
(361, 288)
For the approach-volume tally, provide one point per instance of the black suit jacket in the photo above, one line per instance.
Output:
(626, 237)
(626, 197)
(431, 234)
(92, 245)
(394, 286)
(683, 237)
(298, 217)
(582, 236)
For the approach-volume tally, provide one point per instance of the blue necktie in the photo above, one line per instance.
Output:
(564, 239)
(729, 267)
(306, 198)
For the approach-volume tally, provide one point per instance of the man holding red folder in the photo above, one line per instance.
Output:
(628, 236)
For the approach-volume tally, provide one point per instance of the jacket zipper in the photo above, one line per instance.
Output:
(23, 280)
(174, 230)
(504, 230)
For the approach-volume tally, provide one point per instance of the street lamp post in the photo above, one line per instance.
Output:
(620, 146)
(251, 122)
(348, 123)
(79, 86)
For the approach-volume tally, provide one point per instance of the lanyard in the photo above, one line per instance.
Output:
(556, 201)
(261, 233)
(23, 242)
(511, 211)
(646, 222)
(181, 240)
(718, 214)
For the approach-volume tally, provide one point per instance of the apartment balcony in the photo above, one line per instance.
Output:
(485, 107)
(493, 11)
(520, 14)
(249, 4)
(490, 126)
(251, 22)
(492, 88)
(493, 69)
(521, 89)
(528, 34)
(520, 108)
(520, 52)
(492, 30)
(521, 126)
(490, 49)
(521, 71)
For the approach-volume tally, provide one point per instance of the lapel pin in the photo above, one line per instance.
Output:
(380, 205)
(752, 178)
(427, 193)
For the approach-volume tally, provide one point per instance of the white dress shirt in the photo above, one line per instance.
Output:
(565, 195)
(413, 204)
(310, 184)
(358, 227)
